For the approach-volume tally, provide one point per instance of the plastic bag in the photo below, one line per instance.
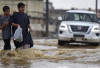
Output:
(18, 35)
(29, 40)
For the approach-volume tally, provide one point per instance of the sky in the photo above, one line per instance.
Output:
(80, 4)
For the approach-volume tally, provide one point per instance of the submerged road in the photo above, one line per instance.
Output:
(47, 54)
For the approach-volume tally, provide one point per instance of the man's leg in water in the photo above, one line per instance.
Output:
(20, 48)
(7, 45)
(17, 45)
(26, 46)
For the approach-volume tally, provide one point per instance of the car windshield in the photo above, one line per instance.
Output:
(81, 17)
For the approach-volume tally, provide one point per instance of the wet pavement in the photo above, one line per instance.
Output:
(47, 54)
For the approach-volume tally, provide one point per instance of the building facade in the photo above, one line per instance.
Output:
(34, 8)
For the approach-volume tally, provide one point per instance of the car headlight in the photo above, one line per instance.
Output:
(62, 26)
(96, 28)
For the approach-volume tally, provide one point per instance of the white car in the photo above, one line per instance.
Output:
(79, 26)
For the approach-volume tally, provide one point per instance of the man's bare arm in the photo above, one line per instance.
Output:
(16, 25)
(3, 26)
(30, 29)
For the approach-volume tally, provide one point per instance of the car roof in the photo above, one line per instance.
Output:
(81, 11)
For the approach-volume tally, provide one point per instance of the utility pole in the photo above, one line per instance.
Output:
(47, 18)
(96, 6)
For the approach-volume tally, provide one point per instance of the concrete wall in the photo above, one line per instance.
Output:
(34, 8)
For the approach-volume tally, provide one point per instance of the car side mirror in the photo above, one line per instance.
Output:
(60, 18)
(99, 20)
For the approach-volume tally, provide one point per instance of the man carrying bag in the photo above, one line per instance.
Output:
(20, 19)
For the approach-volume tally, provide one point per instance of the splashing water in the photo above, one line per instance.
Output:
(7, 56)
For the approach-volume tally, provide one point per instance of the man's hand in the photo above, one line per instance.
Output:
(5, 23)
(3, 26)
(30, 29)
(15, 25)
(18, 25)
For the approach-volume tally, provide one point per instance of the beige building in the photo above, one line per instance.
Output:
(34, 8)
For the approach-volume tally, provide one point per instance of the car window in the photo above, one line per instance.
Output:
(81, 17)
(87, 18)
(77, 17)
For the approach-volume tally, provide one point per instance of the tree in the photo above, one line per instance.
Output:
(89, 9)
(72, 8)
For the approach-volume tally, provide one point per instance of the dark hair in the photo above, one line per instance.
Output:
(6, 8)
(20, 4)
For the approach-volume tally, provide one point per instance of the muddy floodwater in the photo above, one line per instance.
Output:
(47, 54)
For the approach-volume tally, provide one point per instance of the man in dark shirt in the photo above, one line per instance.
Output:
(21, 19)
(6, 27)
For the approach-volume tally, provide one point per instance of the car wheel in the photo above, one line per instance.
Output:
(95, 44)
(60, 42)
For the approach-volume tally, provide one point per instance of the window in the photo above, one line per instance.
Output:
(81, 17)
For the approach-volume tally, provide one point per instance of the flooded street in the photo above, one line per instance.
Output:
(47, 54)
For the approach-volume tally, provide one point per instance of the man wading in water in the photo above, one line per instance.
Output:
(5, 26)
(21, 19)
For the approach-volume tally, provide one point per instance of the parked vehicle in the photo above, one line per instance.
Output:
(79, 26)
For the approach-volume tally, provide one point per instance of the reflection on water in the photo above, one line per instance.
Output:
(76, 46)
